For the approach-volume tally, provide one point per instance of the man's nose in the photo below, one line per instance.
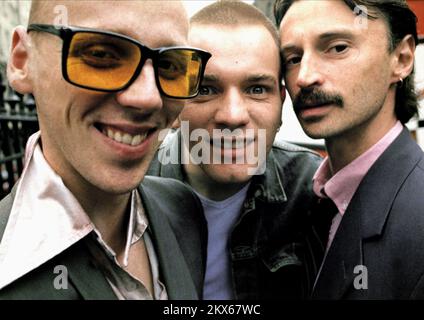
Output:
(310, 72)
(143, 93)
(233, 112)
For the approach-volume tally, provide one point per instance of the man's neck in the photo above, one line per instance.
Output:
(209, 188)
(108, 212)
(345, 148)
(111, 219)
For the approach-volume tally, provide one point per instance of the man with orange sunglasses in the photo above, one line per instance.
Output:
(78, 224)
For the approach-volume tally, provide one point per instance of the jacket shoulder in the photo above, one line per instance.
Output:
(171, 189)
(183, 210)
(295, 159)
(168, 146)
(421, 164)
(282, 145)
(175, 199)
(172, 197)
(411, 192)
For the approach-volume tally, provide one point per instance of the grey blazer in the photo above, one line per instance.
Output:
(382, 230)
(178, 233)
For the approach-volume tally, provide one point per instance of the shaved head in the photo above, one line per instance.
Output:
(48, 11)
(101, 14)
(67, 112)
(234, 13)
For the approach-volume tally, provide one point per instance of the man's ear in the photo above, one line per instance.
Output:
(18, 64)
(404, 55)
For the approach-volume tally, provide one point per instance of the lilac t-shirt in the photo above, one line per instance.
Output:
(221, 217)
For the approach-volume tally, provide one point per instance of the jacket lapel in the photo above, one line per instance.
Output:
(174, 270)
(384, 180)
(366, 216)
(87, 280)
(84, 275)
(336, 273)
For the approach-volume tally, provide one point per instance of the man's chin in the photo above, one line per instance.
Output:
(118, 187)
(316, 130)
(232, 174)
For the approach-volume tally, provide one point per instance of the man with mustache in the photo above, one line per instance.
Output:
(255, 206)
(348, 66)
(78, 224)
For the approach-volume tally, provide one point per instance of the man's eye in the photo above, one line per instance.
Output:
(100, 57)
(100, 54)
(171, 69)
(291, 61)
(206, 90)
(338, 48)
(256, 90)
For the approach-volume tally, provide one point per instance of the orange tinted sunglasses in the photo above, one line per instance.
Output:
(107, 61)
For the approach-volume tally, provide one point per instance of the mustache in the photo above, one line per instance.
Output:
(308, 98)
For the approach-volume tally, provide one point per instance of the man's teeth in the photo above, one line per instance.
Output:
(125, 138)
(232, 144)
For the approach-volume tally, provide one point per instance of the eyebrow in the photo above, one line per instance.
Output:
(336, 34)
(260, 78)
(248, 79)
(288, 48)
(326, 36)
(210, 78)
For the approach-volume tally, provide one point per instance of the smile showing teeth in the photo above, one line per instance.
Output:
(232, 144)
(123, 137)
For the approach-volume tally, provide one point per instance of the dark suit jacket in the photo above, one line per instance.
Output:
(383, 230)
(178, 233)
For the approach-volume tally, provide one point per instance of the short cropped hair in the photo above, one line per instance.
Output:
(234, 13)
(401, 21)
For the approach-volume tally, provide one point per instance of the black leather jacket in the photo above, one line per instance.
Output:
(267, 243)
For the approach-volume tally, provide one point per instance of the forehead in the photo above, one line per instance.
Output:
(250, 47)
(309, 19)
(155, 23)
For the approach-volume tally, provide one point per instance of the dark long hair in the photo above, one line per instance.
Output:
(401, 22)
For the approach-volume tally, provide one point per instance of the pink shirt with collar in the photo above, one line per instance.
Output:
(341, 187)
(46, 219)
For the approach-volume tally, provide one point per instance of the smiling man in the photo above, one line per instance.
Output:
(255, 192)
(103, 94)
(348, 66)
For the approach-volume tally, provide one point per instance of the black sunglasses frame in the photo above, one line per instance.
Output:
(67, 33)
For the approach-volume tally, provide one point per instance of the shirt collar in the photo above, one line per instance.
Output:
(136, 228)
(46, 219)
(342, 186)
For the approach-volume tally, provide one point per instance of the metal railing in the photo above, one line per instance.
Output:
(18, 120)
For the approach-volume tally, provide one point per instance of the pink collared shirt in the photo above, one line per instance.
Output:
(341, 187)
(46, 219)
